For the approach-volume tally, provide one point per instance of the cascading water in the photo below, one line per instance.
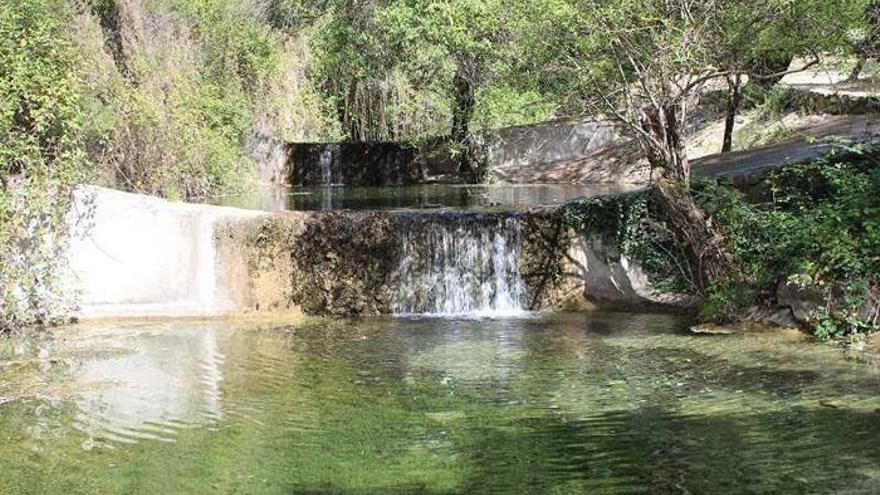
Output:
(459, 264)
(328, 159)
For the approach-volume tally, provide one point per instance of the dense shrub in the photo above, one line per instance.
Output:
(179, 93)
(819, 230)
(175, 89)
(41, 154)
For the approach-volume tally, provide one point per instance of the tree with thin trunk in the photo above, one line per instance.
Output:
(469, 38)
(645, 64)
(758, 44)
(867, 47)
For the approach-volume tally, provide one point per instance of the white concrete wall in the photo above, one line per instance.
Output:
(530, 145)
(145, 256)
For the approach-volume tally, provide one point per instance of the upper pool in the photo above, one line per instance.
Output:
(497, 197)
(555, 403)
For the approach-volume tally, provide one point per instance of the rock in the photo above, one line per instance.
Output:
(802, 301)
(606, 274)
(869, 311)
(776, 316)
(711, 329)
(807, 301)
(831, 403)
(783, 317)
(578, 303)
(271, 157)
(444, 416)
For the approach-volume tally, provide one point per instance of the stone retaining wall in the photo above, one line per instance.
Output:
(147, 256)
(354, 164)
(387, 163)
(525, 146)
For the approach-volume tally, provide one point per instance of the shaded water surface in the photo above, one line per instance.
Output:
(602, 403)
(498, 197)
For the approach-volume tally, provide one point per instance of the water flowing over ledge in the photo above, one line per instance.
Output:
(223, 261)
(459, 264)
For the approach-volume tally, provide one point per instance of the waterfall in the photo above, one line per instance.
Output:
(459, 264)
(328, 159)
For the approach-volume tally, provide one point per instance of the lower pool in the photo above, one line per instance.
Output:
(555, 403)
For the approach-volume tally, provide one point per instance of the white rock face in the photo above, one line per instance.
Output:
(607, 275)
(271, 156)
(145, 256)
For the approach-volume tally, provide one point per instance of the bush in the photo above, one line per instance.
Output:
(771, 103)
(41, 155)
(173, 109)
(819, 229)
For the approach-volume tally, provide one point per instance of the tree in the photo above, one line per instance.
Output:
(761, 43)
(867, 47)
(473, 38)
(645, 63)
(462, 56)
(352, 64)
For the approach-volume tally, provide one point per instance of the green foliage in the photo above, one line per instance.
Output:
(504, 106)
(359, 72)
(172, 112)
(819, 230)
(292, 15)
(390, 67)
(39, 121)
(41, 154)
(773, 102)
(239, 50)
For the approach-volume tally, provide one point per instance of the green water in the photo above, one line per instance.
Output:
(601, 403)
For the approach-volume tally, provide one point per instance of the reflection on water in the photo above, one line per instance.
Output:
(159, 381)
(499, 197)
(601, 403)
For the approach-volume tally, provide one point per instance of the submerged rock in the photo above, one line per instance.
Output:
(444, 416)
(711, 329)
(831, 403)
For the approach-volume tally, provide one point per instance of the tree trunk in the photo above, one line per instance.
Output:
(734, 99)
(346, 111)
(856, 71)
(462, 111)
(463, 108)
(670, 175)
